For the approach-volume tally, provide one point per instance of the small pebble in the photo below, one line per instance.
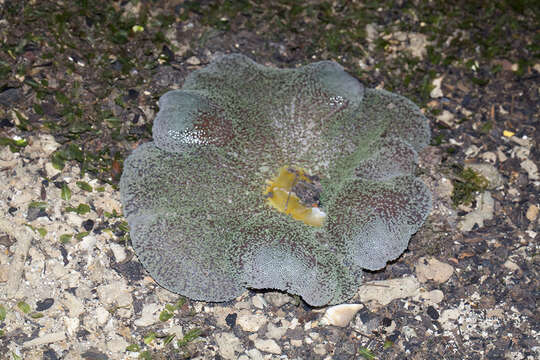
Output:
(44, 304)
(430, 297)
(259, 302)
(119, 252)
(275, 332)
(228, 345)
(432, 312)
(193, 60)
(88, 225)
(269, 346)
(231, 319)
(512, 266)
(149, 315)
(433, 269)
(532, 213)
(34, 213)
(382, 292)
(277, 299)
(250, 322)
(254, 354)
(45, 339)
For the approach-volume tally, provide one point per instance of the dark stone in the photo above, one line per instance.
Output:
(295, 334)
(394, 336)
(119, 233)
(50, 354)
(116, 65)
(64, 253)
(137, 305)
(6, 240)
(132, 270)
(44, 304)
(82, 334)
(10, 96)
(166, 76)
(12, 210)
(135, 119)
(386, 322)
(60, 184)
(365, 316)
(72, 290)
(5, 123)
(495, 354)
(373, 324)
(168, 53)
(19, 336)
(88, 225)
(93, 354)
(132, 94)
(138, 130)
(466, 100)
(34, 213)
(231, 319)
(49, 108)
(345, 349)
(432, 312)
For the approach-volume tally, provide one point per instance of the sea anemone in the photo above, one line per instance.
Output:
(265, 178)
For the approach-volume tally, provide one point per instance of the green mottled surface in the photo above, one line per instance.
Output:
(194, 197)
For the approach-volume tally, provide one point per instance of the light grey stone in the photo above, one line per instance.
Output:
(102, 315)
(118, 295)
(150, 315)
(259, 301)
(72, 325)
(532, 170)
(512, 266)
(193, 60)
(254, 354)
(24, 238)
(275, 332)
(228, 345)
(74, 305)
(433, 269)
(320, 349)
(118, 251)
(447, 118)
(381, 293)
(485, 206)
(448, 318)
(437, 91)
(45, 339)
(250, 322)
(277, 299)
(432, 297)
(409, 332)
(117, 344)
(267, 345)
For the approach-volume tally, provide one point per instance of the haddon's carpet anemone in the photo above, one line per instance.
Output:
(289, 179)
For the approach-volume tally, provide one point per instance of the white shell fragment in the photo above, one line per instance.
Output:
(340, 315)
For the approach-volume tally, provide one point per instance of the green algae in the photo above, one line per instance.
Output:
(466, 185)
(194, 198)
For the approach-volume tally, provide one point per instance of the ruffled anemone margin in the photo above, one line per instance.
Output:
(288, 179)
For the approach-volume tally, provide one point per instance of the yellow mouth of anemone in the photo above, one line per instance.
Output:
(296, 193)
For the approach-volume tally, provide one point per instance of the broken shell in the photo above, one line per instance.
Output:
(340, 315)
